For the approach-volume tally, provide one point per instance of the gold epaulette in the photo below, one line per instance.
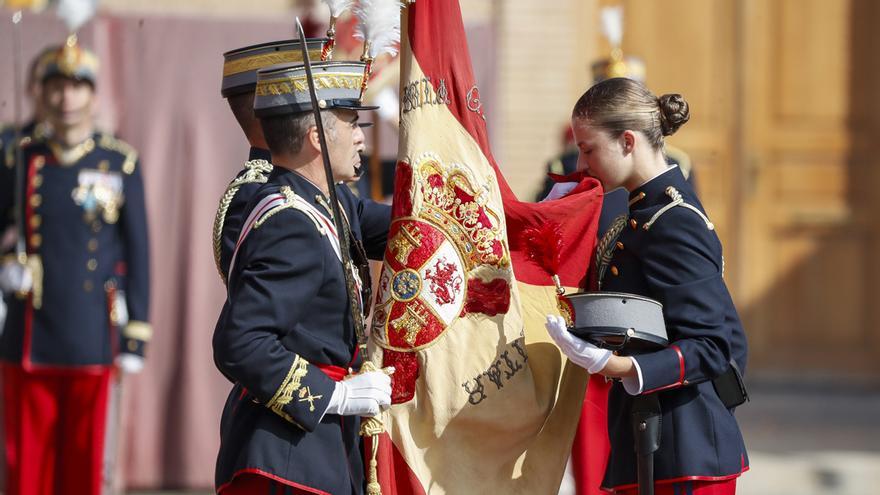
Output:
(297, 203)
(255, 173)
(677, 200)
(112, 143)
(24, 141)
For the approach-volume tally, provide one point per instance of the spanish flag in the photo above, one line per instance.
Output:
(483, 401)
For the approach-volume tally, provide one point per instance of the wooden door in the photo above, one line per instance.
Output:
(785, 142)
(806, 229)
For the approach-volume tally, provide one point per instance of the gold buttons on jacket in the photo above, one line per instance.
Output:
(37, 180)
(633, 223)
(36, 200)
(132, 346)
(614, 271)
(88, 286)
(36, 221)
(92, 264)
(93, 245)
(39, 162)
(36, 240)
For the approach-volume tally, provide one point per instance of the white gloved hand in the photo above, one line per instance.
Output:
(579, 351)
(366, 394)
(130, 364)
(559, 190)
(15, 277)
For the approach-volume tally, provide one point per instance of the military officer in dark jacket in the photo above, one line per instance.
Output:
(286, 336)
(664, 248)
(239, 80)
(78, 294)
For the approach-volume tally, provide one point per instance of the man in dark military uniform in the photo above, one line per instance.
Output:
(239, 80)
(286, 336)
(78, 294)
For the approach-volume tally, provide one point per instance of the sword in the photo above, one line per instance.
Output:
(338, 219)
(370, 427)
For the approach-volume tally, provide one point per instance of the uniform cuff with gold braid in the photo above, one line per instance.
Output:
(135, 336)
(138, 330)
(303, 395)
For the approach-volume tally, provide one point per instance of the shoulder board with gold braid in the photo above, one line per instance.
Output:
(25, 141)
(271, 205)
(255, 173)
(112, 143)
(677, 200)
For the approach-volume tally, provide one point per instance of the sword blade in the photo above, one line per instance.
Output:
(338, 219)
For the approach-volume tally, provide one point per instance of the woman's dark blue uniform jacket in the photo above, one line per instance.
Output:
(677, 260)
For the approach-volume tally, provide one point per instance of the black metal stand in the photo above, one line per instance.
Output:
(646, 432)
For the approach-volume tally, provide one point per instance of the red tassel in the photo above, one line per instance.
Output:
(543, 246)
(489, 298)
(406, 372)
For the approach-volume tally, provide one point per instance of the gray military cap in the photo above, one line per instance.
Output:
(284, 89)
(240, 66)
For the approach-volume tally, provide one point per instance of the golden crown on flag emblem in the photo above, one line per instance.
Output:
(423, 287)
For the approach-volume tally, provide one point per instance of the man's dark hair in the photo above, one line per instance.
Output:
(285, 134)
(242, 106)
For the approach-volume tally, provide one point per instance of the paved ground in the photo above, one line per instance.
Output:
(816, 438)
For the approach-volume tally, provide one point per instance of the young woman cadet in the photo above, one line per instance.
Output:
(666, 249)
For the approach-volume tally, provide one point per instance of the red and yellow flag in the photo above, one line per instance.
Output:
(483, 401)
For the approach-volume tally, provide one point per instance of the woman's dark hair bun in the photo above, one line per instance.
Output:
(674, 113)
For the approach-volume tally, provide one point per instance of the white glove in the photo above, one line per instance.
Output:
(366, 394)
(579, 351)
(15, 277)
(559, 190)
(130, 364)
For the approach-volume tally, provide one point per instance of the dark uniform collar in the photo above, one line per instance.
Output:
(654, 191)
(303, 187)
(259, 154)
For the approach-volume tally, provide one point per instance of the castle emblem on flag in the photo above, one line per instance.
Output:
(424, 283)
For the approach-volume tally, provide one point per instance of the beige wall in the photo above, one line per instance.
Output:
(544, 56)
(472, 9)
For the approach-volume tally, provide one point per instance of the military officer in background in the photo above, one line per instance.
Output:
(286, 336)
(78, 293)
(239, 80)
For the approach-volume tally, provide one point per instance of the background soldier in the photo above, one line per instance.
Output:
(78, 295)
(287, 335)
